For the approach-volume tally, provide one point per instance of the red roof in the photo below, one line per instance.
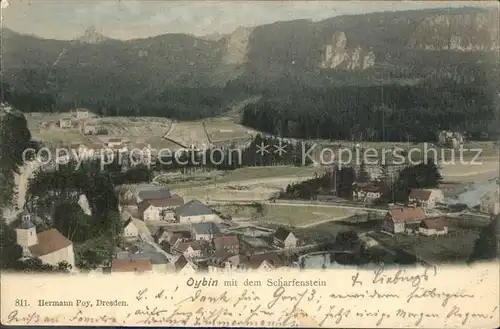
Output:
(48, 242)
(420, 194)
(131, 265)
(369, 187)
(437, 223)
(407, 214)
(225, 240)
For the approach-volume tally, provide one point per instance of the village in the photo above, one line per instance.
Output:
(168, 233)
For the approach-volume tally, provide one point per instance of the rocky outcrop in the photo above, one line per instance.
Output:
(460, 32)
(91, 36)
(236, 46)
(338, 55)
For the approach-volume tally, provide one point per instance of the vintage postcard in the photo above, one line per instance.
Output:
(250, 163)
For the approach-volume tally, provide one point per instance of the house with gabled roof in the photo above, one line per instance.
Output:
(134, 229)
(195, 211)
(227, 243)
(205, 231)
(402, 218)
(189, 249)
(366, 192)
(156, 193)
(434, 226)
(50, 246)
(426, 198)
(284, 238)
(159, 209)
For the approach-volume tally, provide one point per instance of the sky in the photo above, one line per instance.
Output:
(128, 19)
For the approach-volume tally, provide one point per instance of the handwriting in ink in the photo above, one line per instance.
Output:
(80, 317)
(198, 297)
(433, 293)
(33, 317)
(415, 280)
(279, 295)
(244, 297)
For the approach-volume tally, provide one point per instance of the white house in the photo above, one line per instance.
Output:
(195, 211)
(189, 249)
(434, 226)
(50, 246)
(366, 192)
(399, 219)
(65, 123)
(162, 209)
(284, 238)
(113, 142)
(135, 228)
(427, 198)
(205, 231)
(82, 114)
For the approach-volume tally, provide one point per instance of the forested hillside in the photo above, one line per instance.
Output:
(319, 79)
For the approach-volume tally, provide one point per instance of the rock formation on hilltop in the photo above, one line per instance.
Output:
(460, 32)
(236, 46)
(92, 36)
(338, 55)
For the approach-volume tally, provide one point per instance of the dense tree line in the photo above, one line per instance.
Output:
(423, 175)
(262, 151)
(379, 113)
(336, 179)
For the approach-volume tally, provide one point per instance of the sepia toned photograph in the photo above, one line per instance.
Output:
(251, 146)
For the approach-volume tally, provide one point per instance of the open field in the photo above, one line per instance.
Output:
(56, 137)
(135, 128)
(223, 129)
(297, 216)
(252, 175)
(188, 133)
(463, 173)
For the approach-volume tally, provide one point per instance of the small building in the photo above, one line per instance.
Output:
(155, 193)
(89, 128)
(189, 249)
(195, 211)
(284, 238)
(82, 114)
(160, 209)
(400, 218)
(114, 142)
(172, 236)
(65, 123)
(204, 231)
(227, 243)
(366, 192)
(183, 266)
(434, 226)
(131, 265)
(50, 246)
(268, 262)
(426, 198)
(135, 228)
(490, 203)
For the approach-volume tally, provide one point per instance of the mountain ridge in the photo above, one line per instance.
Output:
(410, 45)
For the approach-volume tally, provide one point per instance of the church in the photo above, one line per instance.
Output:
(50, 246)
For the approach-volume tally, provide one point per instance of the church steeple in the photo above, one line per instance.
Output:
(26, 231)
